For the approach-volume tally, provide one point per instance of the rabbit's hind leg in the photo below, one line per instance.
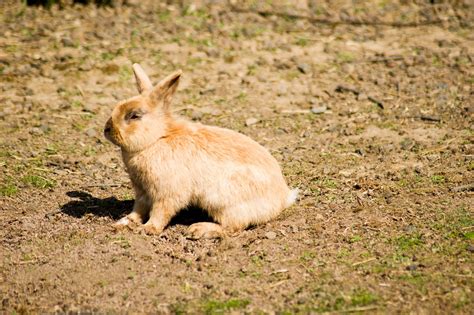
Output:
(204, 230)
(238, 218)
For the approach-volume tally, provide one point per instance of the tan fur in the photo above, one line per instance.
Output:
(175, 163)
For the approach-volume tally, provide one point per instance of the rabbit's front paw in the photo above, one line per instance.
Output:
(204, 230)
(122, 223)
(152, 229)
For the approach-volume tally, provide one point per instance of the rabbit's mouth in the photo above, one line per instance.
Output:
(110, 134)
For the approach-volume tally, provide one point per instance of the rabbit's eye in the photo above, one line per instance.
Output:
(134, 115)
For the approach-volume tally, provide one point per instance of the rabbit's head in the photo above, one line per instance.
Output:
(138, 122)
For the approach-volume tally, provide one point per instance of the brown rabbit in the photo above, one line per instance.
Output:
(175, 163)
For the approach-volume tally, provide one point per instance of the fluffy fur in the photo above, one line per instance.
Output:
(175, 163)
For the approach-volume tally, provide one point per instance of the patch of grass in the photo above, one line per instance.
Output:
(438, 179)
(363, 298)
(307, 256)
(408, 242)
(470, 167)
(90, 151)
(178, 308)
(329, 183)
(76, 104)
(199, 42)
(327, 305)
(416, 279)
(38, 181)
(52, 149)
(257, 260)
(343, 252)
(27, 257)
(469, 235)
(78, 126)
(107, 56)
(125, 74)
(302, 41)
(194, 61)
(128, 196)
(8, 188)
(242, 96)
(345, 57)
(122, 242)
(355, 239)
(223, 307)
(164, 16)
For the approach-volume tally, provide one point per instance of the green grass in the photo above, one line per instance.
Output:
(329, 183)
(438, 179)
(8, 189)
(38, 181)
(125, 74)
(409, 242)
(469, 235)
(302, 41)
(345, 57)
(307, 256)
(355, 238)
(223, 307)
(363, 297)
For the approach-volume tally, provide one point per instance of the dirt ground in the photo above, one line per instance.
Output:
(367, 105)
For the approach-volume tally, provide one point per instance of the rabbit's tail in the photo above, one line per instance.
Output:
(292, 196)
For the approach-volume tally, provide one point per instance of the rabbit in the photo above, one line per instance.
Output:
(174, 163)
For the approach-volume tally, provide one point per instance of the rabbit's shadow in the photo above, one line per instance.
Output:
(84, 203)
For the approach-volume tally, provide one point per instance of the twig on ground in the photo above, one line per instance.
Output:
(376, 101)
(276, 284)
(363, 262)
(295, 111)
(279, 271)
(345, 88)
(461, 276)
(26, 262)
(468, 187)
(429, 118)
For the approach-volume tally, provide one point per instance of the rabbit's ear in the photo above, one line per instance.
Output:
(143, 82)
(164, 90)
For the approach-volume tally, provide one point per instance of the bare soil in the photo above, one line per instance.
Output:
(368, 106)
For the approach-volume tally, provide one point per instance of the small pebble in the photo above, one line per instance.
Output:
(412, 267)
(271, 235)
(304, 68)
(318, 109)
(36, 131)
(67, 42)
(251, 121)
(91, 133)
